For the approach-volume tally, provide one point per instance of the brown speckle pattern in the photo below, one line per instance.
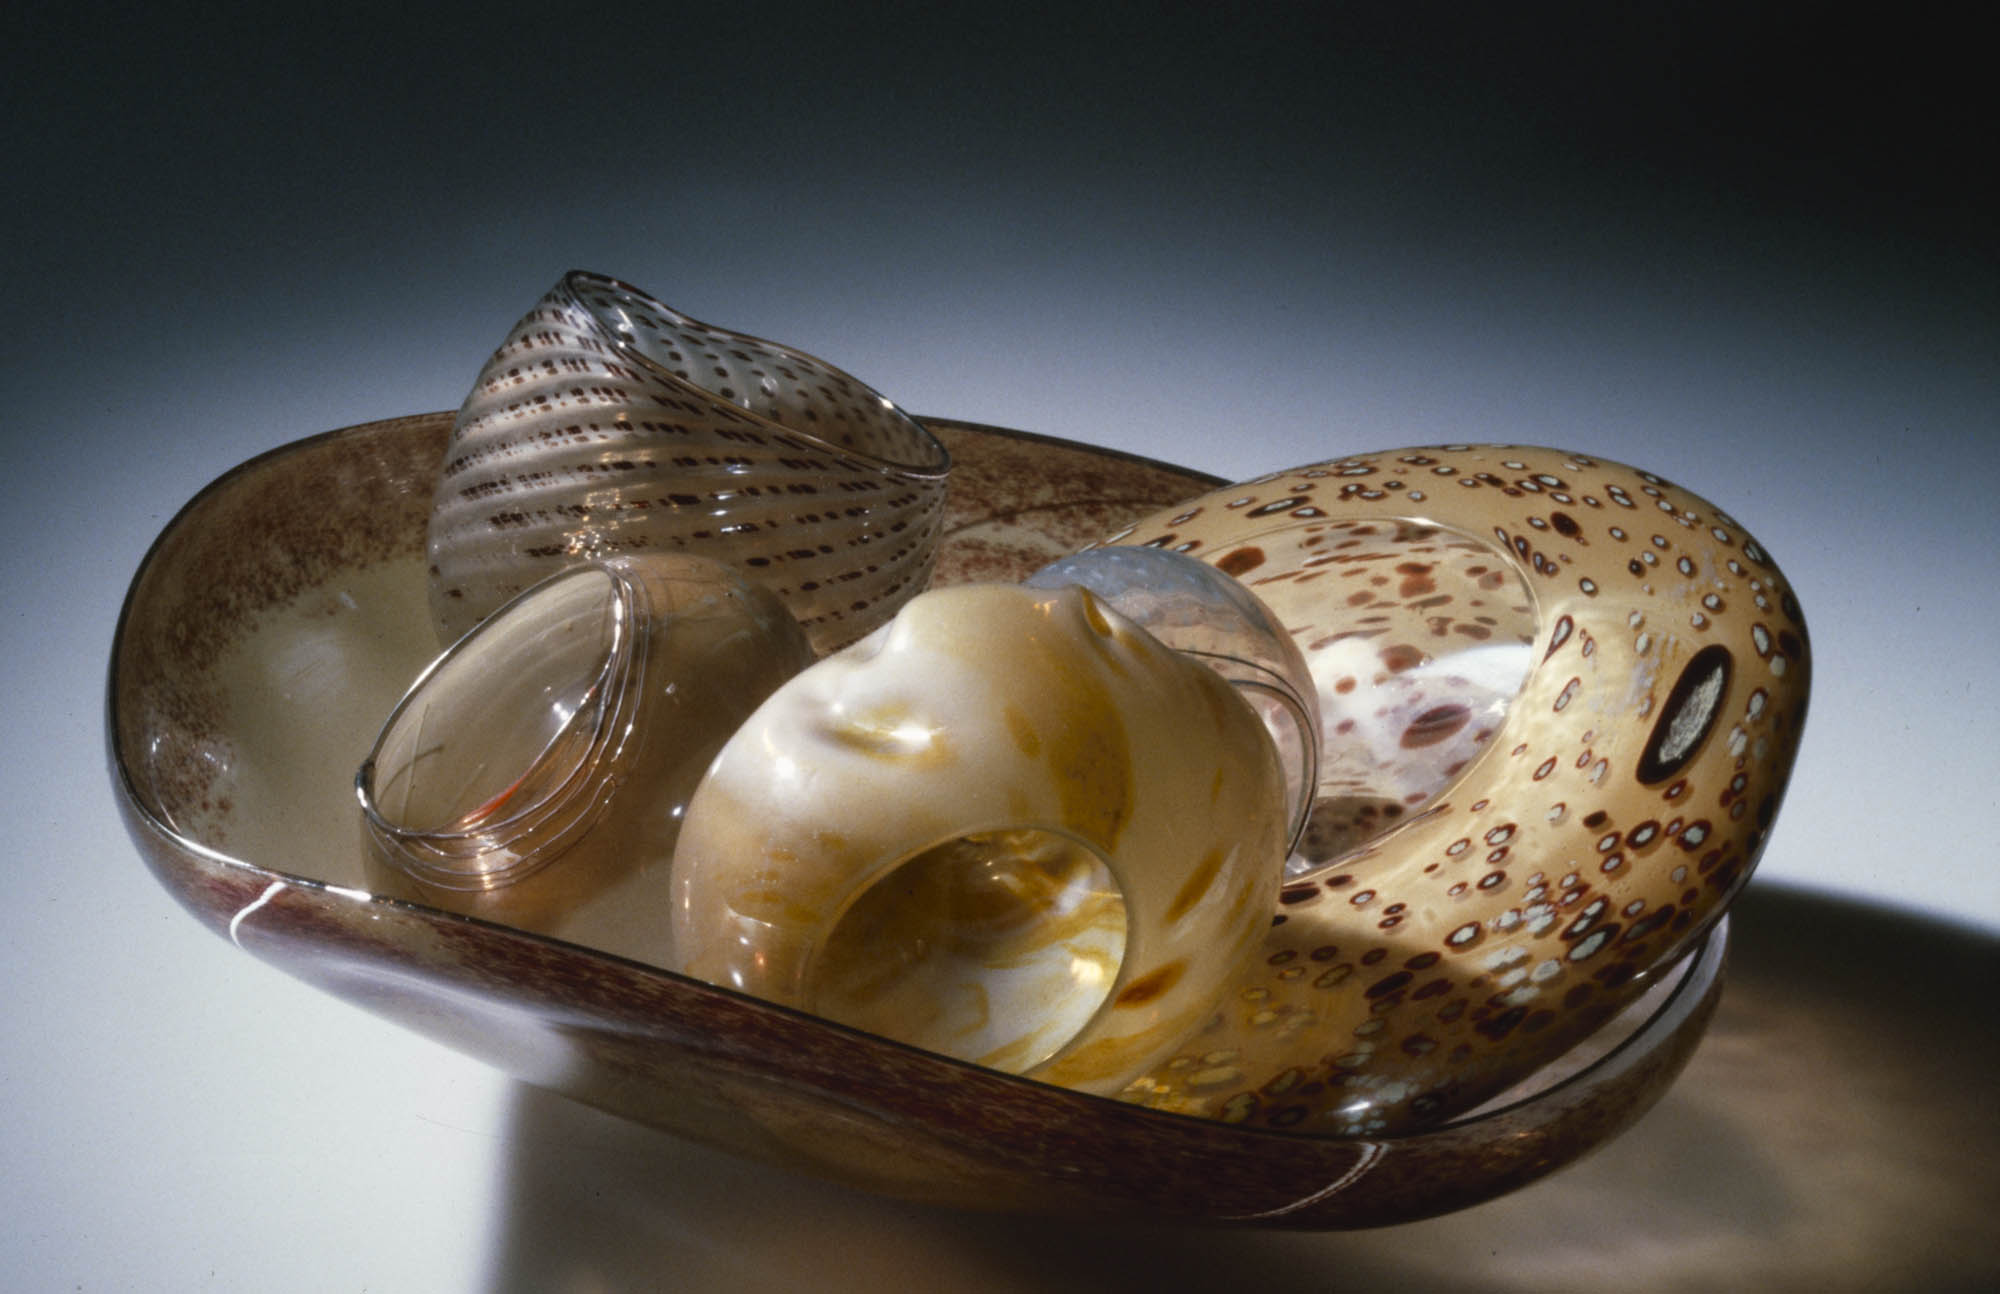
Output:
(1562, 698)
(254, 540)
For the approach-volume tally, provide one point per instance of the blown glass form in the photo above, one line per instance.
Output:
(537, 771)
(1203, 613)
(608, 423)
(1010, 826)
(1562, 698)
(1560, 702)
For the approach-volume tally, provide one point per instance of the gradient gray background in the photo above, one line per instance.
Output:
(1728, 243)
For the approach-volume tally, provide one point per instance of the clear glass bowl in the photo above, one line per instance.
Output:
(234, 767)
(537, 771)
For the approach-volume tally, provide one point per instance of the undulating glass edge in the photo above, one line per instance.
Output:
(1490, 750)
(603, 719)
(907, 471)
(1657, 1030)
(1268, 682)
(139, 803)
(882, 875)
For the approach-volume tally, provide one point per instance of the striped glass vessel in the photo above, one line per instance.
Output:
(609, 424)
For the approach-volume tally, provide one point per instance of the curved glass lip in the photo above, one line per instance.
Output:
(1241, 674)
(1694, 975)
(1683, 983)
(937, 468)
(604, 720)
(1537, 610)
(1266, 682)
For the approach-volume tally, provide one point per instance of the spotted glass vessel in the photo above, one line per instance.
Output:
(1561, 700)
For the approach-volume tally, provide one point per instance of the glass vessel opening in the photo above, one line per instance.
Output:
(478, 773)
(1414, 679)
(995, 947)
(800, 393)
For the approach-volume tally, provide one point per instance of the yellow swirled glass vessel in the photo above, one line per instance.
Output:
(1010, 826)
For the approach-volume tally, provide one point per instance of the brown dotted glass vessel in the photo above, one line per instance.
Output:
(1561, 697)
(608, 423)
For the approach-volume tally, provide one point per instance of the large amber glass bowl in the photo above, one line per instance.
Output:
(282, 613)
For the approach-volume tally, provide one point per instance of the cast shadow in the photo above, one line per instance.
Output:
(1836, 1130)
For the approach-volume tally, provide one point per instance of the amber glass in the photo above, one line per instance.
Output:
(1562, 698)
(234, 769)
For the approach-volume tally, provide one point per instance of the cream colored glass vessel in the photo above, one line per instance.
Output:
(1009, 826)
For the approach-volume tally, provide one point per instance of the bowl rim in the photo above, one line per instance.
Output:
(935, 469)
